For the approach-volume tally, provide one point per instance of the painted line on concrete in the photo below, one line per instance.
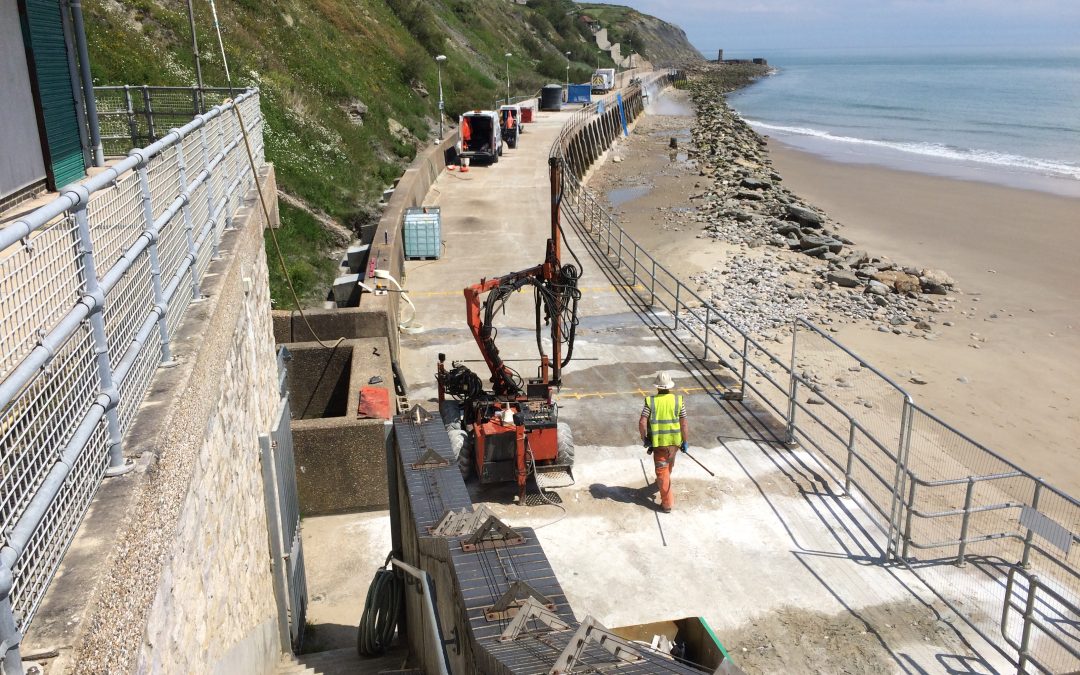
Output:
(578, 395)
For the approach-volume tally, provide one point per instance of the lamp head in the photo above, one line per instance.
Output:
(440, 58)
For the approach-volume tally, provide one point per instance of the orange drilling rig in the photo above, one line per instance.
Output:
(512, 429)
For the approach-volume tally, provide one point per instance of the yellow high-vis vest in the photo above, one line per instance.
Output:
(664, 429)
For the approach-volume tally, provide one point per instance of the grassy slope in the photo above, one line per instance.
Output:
(315, 58)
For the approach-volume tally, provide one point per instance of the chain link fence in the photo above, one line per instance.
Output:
(93, 286)
(996, 544)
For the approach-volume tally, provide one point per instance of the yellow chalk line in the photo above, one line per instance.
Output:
(586, 289)
(606, 394)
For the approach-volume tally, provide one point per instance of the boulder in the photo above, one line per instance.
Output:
(929, 277)
(754, 184)
(807, 242)
(842, 278)
(807, 217)
(785, 228)
(877, 288)
(900, 282)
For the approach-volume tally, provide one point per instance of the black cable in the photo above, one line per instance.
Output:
(381, 610)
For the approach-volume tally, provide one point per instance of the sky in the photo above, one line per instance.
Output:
(745, 27)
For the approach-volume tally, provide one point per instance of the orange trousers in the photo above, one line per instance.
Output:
(664, 462)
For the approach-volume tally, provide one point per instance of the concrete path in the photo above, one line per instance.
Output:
(784, 570)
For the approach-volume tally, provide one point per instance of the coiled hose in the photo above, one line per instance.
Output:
(381, 610)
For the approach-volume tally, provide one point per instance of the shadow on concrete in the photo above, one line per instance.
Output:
(641, 496)
(751, 421)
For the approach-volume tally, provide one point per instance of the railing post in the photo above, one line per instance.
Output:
(675, 307)
(1029, 614)
(910, 515)
(742, 375)
(850, 457)
(652, 285)
(792, 386)
(10, 637)
(965, 523)
(189, 226)
(222, 167)
(705, 336)
(160, 305)
(209, 183)
(149, 112)
(133, 127)
(97, 327)
(897, 509)
(1025, 562)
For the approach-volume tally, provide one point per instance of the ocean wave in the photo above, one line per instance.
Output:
(936, 150)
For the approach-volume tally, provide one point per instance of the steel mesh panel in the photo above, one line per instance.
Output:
(38, 563)
(135, 385)
(38, 286)
(199, 209)
(163, 175)
(205, 247)
(126, 307)
(39, 422)
(172, 247)
(194, 161)
(116, 220)
(179, 304)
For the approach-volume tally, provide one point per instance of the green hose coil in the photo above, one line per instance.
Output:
(381, 610)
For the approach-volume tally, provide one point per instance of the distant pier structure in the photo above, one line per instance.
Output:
(720, 59)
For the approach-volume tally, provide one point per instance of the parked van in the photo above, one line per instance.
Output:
(480, 136)
(603, 80)
(510, 124)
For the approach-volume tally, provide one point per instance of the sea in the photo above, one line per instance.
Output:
(1008, 117)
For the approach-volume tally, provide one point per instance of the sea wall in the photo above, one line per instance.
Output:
(183, 583)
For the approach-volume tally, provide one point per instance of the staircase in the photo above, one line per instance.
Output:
(346, 662)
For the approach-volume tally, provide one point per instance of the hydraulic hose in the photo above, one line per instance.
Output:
(381, 610)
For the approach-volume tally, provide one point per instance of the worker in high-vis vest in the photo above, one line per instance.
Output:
(662, 428)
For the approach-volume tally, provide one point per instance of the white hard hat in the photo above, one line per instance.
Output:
(664, 381)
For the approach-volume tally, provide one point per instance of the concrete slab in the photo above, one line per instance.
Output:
(782, 567)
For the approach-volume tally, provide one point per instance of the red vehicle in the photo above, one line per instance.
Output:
(512, 430)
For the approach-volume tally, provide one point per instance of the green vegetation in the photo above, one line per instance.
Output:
(333, 74)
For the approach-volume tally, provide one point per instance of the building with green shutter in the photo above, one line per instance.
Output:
(46, 119)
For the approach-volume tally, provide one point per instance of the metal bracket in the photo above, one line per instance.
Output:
(460, 523)
(430, 460)
(454, 642)
(494, 533)
(508, 605)
(27, 244)
(529, 610)
(417, 415)
(592, 630)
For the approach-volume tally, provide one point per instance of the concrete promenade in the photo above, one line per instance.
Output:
(783, 568)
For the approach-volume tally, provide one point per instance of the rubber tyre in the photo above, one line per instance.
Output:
(465, 456)
(565, 439)
(451, 413)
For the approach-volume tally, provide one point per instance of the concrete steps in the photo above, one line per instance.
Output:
(346, 662)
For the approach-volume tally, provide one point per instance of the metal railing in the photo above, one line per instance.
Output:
(131, 117)
(93, 286)
(994, 542)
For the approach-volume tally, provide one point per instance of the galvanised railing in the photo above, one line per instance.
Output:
(132, 117)
(995, 543)
(93, 286)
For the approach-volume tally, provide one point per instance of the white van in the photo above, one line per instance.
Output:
(479, 136)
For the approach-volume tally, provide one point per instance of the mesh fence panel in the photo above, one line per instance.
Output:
(127, 306)
(50, 267)
(41, 558)
(41, 283)
(40, 421)
(116, 220)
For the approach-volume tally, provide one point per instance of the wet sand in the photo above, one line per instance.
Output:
(1007, 371)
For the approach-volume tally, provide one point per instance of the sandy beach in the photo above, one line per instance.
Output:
(1002, 363)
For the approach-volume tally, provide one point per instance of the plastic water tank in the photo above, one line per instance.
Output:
(551, 97)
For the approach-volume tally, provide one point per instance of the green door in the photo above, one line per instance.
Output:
(43, 33)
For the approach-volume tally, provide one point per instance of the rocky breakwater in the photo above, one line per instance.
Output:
(790, 259)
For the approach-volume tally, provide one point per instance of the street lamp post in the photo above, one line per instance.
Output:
(508, 55)
(439, 59)
(567, 76)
